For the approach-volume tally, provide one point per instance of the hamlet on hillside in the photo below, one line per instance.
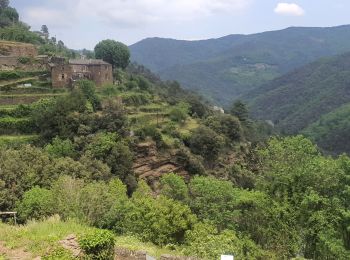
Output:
(24, 56)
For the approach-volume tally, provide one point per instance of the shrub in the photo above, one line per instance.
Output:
(205, 241)
(24, 60)
(98, 245)
(60, 148)
(7, 75)
(174, 187)
(37, 203)
(180, 112)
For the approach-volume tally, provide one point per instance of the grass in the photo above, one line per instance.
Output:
(42, 238)
(6, 140)
(33, 95)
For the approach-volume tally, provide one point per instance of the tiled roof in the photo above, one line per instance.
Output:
(88, 62)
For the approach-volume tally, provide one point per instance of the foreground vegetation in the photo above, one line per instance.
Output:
(273, 200)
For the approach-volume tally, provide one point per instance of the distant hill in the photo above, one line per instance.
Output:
(314, 99)
(226, 68)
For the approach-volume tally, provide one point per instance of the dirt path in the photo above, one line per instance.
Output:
(15, 254)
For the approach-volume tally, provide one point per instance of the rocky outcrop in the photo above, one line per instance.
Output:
(17, 49)
(151, 165)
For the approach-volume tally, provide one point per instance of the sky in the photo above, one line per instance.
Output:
(83, 23)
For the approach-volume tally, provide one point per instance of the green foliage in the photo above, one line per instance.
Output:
(207, 242)
(37, 203)
(224, 69)
(60, 148)
(331, 131)
(314, 94)
(214, 200)
(24, 60)
(98, 245)
(160, 220)
(8, 15)
(174, 187)
(89, 90)
(240, 110)
(19, 33)
(206, 143)
(226, 125)
(8, 75)
(115, 53)
(179, 113)
(9, 125)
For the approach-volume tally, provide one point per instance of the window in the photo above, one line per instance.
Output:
(62, 76)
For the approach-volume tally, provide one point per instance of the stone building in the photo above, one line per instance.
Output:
(64, 75)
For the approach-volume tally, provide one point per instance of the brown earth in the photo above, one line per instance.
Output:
(150, 165)
(16, 254)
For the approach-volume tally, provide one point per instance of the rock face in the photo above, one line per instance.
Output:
(71, 243)
(151, 165)
(17, 49)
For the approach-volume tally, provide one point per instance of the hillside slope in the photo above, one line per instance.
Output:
(228, 67)
(297, 100)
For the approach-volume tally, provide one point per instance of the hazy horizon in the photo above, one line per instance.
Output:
(83, 23)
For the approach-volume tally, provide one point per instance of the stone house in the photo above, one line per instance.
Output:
(64, 75)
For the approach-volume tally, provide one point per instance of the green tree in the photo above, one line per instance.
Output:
(44, 29)
(159, 220)
(174, 187)
(214, 200)
(240, 110)
(4, 4)
(206, 242)
(37, 203)
(61, 148)
(113, 52)
(180, 112)
(227, 125)
(206, 143)
(89, 90)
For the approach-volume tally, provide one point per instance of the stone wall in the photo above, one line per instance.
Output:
(17, 49)
(101, 74)
(61, 76)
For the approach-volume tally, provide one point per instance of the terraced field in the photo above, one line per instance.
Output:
(16, 127)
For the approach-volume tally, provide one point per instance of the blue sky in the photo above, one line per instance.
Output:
(83, 23)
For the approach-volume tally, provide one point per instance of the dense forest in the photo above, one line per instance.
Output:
(314, 94)
(226, 68)
(145, 160)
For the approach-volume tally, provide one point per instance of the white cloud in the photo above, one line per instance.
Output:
(290, 9)
(126, 13)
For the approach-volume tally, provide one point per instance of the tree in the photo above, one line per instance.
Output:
(45, 29)
(240, 110)
(206, 242)
(180, 112)
(37, 203)
(113, 52)
(206, 143)
(214, 200)
(174, 187)
(159, 220)
(4, 4)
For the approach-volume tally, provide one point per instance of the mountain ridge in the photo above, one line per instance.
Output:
(227, 67)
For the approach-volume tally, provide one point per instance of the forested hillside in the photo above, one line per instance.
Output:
(142, 166)
(225, 68)
(305, 96)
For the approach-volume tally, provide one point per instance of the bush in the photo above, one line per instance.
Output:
(174, 187)
(206, 242)
(9, 125)
(180, 112)
(37, 203)
(98, 245)
(7, 75)
(24, 60)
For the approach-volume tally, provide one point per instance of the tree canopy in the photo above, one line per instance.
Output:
(113, 52)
